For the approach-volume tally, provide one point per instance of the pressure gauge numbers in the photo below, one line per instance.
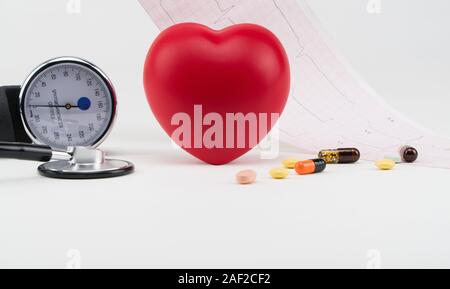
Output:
(68, 102)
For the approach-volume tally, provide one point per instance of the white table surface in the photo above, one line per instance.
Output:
(175, 212)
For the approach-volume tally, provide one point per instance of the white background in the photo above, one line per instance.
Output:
(176, 212)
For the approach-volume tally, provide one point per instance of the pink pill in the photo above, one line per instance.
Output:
(246, 177)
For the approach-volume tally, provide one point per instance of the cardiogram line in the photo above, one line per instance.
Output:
(161, 4)
(283, 15)
(224, 12)
(302, 49)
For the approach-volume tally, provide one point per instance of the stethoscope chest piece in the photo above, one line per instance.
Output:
(68, 170)
(86, 163)
(76, 163)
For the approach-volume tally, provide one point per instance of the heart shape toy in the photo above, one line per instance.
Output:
(217, 93)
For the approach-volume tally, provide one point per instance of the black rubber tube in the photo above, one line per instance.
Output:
(27, 152)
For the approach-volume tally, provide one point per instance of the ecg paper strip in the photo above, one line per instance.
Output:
(330, 106)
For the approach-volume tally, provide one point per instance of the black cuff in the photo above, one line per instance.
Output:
(11, 126)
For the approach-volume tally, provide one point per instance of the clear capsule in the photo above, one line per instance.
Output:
(395, 159)
(340, 156)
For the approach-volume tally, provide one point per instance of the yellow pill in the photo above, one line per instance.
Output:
(290, 163)
(385, 164)
(279, 173)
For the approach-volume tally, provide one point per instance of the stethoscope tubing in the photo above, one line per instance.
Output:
(26, 152)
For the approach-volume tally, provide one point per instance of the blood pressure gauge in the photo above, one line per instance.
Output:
(68, 102)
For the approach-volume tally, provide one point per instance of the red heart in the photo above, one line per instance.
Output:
(241, 69)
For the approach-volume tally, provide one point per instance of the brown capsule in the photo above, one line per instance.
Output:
(340, 156)
(409, 154)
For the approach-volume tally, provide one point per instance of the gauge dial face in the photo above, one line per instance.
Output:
(68, 103)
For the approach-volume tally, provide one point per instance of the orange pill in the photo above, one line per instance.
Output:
(310, 167)
(246, 177)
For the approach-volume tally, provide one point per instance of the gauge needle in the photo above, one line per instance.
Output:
(67, 106)
(84, 103)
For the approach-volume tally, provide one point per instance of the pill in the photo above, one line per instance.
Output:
(395, 159)
(279, 173)
(290, 163)
(246, 177)
(385, 165)
(340, 156)
(409, 154)
(310, 167)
